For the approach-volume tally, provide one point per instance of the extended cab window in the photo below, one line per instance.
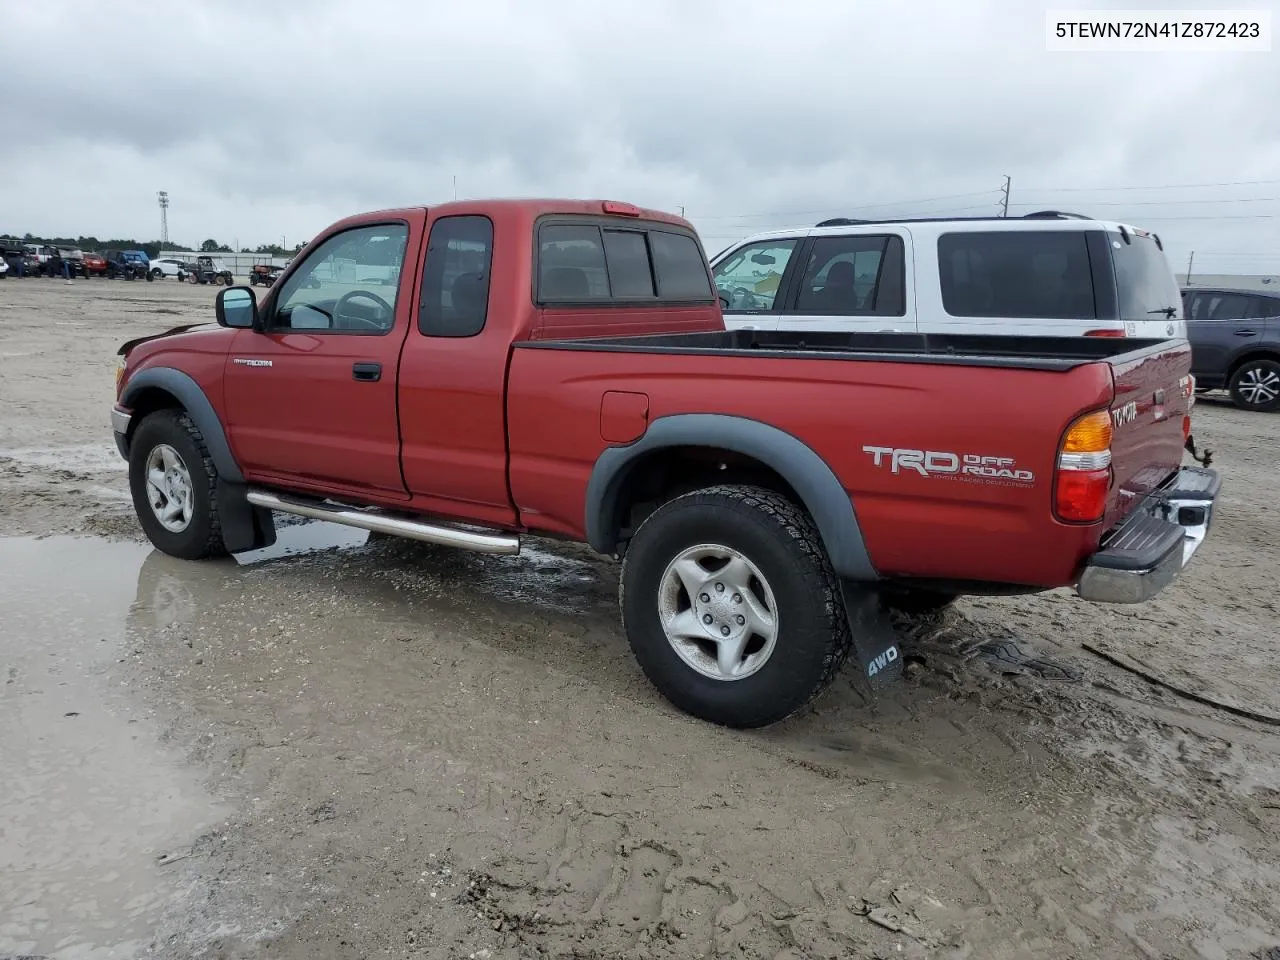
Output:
(1040, 274)
(749, 277)
(455, 277)
(628, 263)
(349, 284)
(854, 276)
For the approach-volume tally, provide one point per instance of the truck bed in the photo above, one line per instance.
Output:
(1022, 353)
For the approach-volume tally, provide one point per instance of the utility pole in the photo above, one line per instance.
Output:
(455, 186)
(1004, 204)
(682, 210)
(1190, 260)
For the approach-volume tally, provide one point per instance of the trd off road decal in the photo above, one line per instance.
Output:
(968, 467)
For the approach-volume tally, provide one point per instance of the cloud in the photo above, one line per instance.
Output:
(747, 114)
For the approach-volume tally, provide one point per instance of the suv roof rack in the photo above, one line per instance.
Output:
(1054, 215)
(1037, 215)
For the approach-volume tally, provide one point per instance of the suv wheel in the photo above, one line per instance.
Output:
(175, 486)
(1255, 385)
(157, 274)
(731, 606)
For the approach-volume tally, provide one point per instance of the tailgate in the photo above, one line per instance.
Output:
(1150, 419)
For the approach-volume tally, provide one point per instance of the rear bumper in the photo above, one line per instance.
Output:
(1147, 552)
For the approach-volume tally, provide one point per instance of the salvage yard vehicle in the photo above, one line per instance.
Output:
(561, 369)
(1235, 344)
(264, 273)
(94, 264)
(168, 267)
(128, 265)
(209, 270)
(1044, 274)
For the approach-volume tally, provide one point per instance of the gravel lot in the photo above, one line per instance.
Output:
(340, 748)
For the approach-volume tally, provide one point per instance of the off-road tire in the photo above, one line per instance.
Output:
(203, 536)
(782, 541)
(1263, 364)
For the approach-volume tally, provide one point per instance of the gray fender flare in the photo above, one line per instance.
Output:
(816, 484)
(188, 393)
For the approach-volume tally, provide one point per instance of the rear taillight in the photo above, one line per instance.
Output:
(1083, 478)
(1104, 333)
(1187, 387)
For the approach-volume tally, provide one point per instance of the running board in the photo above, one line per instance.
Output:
(478, 541)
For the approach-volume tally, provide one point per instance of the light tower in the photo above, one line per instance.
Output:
(164, 217)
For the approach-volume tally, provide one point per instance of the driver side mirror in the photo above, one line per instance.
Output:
(237, 307)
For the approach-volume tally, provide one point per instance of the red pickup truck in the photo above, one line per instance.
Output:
(474, 372)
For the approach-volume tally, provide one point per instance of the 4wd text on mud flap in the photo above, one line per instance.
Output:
(882, 661)
(930, 463)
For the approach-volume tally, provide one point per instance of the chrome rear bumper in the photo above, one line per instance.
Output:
(1147, 552)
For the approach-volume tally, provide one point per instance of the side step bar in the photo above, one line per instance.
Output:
(478, 541)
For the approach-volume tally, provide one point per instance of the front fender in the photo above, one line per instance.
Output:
(817, 486)
(188, 393)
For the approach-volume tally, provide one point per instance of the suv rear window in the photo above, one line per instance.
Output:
(592, 263)
(1041, 274)
(1144, 281)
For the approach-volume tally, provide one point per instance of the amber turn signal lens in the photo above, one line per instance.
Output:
(1089, 434)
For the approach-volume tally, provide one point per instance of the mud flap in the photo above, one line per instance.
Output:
(875, 641)
(244, 526)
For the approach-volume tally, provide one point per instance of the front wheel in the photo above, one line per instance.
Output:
(1255, 385)
(157, 274)
(731, 606)
(175, 486)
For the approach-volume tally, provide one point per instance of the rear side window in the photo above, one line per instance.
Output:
(854, 276)
(454, 300)
(1144, 282)
(1041, 274)
(588, 263)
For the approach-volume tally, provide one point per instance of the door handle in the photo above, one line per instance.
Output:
(366, 371)
(1246, 333)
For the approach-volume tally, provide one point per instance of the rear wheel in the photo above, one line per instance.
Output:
(1255, 385)
(731, 606)
(175, 486)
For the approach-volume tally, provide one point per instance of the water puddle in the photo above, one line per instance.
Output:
(91, 807)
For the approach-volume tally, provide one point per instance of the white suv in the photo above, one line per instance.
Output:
(1045, 274)
(168, 267)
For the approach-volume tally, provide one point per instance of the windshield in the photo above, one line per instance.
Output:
(1144, 282)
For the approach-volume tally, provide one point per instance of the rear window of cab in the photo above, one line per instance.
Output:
(588, 261)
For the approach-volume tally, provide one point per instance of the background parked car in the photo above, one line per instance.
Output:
(168, 267)
(73, 256)
(1235, 344)
(128, 265)
(94, 265)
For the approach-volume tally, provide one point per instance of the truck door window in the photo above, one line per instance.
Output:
(454, 301)
(348, 285)
(749, 277)
(854, 276)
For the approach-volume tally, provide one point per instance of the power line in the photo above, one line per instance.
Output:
(1156, 203)
(1168, 186)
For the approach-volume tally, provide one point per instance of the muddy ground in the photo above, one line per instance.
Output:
(348, 749)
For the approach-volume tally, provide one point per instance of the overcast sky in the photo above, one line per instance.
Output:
(747, 114)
